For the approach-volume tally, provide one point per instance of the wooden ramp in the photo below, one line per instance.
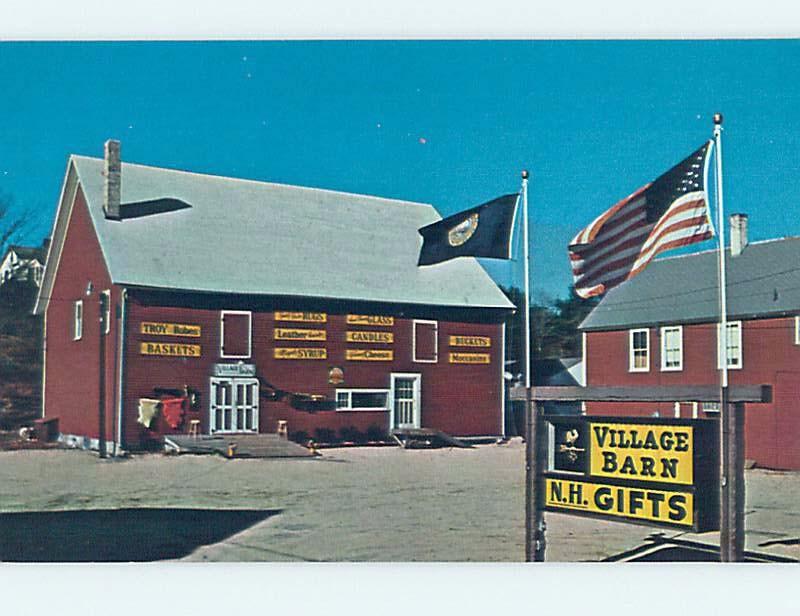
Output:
(426, 438)
(237, 446)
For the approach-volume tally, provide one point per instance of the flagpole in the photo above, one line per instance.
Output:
(731, 420)
(526, 307)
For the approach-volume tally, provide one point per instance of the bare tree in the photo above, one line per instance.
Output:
(12, 224)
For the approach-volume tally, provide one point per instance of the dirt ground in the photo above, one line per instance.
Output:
(365, 504)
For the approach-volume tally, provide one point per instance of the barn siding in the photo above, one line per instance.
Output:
(72, 378)
(459, 399)
(770, 356)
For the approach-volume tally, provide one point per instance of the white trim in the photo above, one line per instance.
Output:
(69, 192)
(663, 335)
(44, 361)
(435, 341)
(797, 330)
(417, 397)
(584, 354)
(121, 362)
(107, 321)
(695, 406)
(77, 320)
(631, 367)
(737, 325)
(222, 334)
(351, 390)
(676, 407)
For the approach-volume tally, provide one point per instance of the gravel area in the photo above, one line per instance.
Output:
(364, 504)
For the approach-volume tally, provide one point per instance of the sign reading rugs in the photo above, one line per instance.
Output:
(656, 471)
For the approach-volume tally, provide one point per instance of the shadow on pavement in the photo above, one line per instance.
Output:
(118, 535)
(661, 549)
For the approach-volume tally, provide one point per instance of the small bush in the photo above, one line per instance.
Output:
(352, 434)
(376, 433)
(324, 435)
(300, 437)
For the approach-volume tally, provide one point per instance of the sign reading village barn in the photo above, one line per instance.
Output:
(646, 470)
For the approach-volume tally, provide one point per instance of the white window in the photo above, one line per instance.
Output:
(425, 341)
(711, 407)
(672, 348)
(77, 323)
(734, 344)
(639, 350)
(362, 399)
(236, 334)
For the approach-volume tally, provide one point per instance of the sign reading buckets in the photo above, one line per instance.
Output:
(663, 472)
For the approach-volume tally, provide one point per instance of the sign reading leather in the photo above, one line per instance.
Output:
(169, 329)
(299, 334)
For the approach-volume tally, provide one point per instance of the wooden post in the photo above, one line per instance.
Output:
(731, 510)
(534, 505)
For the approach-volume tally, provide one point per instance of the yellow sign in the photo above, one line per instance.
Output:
(169, 349)
(668, 507)
(382, 337)
(471, 341)
(302, 317)
(368, 355)
(296, 353)
(299, 334)
(469, 358)
(641, 452)
(170, 329)
(366, 319)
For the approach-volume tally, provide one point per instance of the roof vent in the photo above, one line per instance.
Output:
(738, 234)
(112, 170)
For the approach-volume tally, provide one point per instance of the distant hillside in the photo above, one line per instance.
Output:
(20, 355)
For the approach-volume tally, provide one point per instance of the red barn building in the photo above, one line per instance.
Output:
(661, 328)
(238, 304)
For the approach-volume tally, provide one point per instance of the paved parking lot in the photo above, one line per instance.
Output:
(364, 504)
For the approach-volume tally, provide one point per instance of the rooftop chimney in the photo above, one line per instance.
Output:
(112, 170)
(738, 234)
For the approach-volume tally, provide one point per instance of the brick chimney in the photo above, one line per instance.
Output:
(738, 234)
(112, 170)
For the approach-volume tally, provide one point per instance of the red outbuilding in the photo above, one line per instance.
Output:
(195, 302)
(661, 328)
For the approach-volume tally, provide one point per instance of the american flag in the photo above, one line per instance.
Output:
(669, 212)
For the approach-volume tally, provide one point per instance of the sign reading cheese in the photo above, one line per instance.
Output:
(368, 355)
(642, 452)
(299, 334)
(469, 358)
(300, 353)
(367, 319)
(169, 349)
(380, 337)
(470, 341)
(169, 329)
(662, 506)
(301, 317)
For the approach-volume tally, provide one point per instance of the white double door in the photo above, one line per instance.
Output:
(233, 404)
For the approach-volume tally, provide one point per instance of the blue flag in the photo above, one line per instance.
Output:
(483, 231)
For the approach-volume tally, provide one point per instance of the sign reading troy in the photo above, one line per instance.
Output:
(170, 329)
(654, 471)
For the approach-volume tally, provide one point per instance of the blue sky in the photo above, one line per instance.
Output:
(449, 123)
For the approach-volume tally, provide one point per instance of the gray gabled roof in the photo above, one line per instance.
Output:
(248, 237)
(764, 280)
